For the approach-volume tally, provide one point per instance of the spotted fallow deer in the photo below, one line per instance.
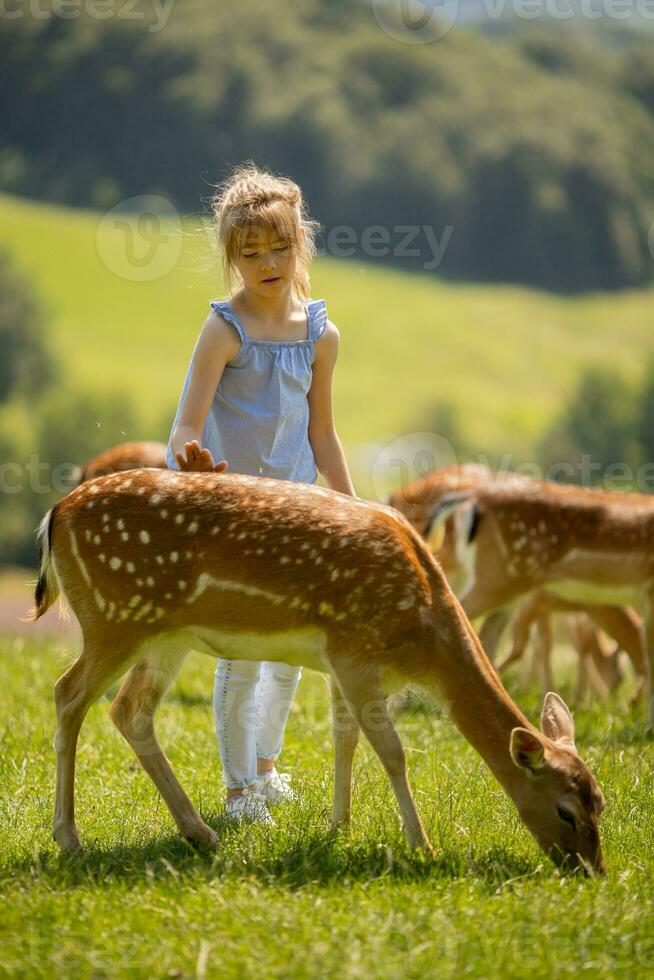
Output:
(155, 563)
(125, 456)
(446, 536)
(584, 545)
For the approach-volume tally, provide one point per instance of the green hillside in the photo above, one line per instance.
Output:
(503, 357)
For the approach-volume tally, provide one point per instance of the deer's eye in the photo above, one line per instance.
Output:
(566, 816)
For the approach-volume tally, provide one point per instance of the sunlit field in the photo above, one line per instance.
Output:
(504, 357)
(298, 898)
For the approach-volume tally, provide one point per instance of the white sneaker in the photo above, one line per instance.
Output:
(250, 805)
(273, 787)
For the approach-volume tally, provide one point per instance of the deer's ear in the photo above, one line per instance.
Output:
(527, 751)
(556, 721)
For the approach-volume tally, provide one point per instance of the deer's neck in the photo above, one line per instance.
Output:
(478, 704)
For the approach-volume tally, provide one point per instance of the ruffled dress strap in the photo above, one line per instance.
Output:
(317, 311)
(228, 313)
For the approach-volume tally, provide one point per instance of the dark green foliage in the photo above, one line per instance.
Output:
(536, 149)
(26, 364)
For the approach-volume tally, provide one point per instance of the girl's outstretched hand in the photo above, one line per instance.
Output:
(198, 460)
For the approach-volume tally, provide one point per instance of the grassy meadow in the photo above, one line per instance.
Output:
(298, 900)
(503, 357)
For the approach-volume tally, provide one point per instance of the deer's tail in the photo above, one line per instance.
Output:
(47, 587)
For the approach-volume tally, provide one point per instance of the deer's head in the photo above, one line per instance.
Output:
(560, 800)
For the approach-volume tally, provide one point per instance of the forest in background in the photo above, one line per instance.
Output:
(528, 153)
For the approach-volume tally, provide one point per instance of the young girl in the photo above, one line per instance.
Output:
(257, 399)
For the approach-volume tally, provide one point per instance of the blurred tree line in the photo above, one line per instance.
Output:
(604, 435)
(536, 149)
(47, 428)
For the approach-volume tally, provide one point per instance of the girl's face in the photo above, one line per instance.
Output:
(267, 264)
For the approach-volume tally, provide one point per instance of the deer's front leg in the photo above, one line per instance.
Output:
(346, 737)
(365, 699)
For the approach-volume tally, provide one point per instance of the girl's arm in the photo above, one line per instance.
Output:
(216, 345)
(327, 449)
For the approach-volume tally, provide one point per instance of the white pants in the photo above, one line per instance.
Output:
(251, 702)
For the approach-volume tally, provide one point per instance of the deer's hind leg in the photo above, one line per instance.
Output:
(361, 688)
(74, 693)
(132, 711)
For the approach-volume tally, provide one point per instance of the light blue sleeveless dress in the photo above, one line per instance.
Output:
(259, 416)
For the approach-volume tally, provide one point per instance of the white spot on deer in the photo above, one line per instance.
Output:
(144, 536)
(205, 581)
(91, 503)
(407, 602)
(141, 490)
(326, 609)
(120, 524)
(139, 581)
(91, 489)
(78, 558)
(87, 535)
(179, 518)
(334, 575)
(124, 536)
(284, 560)
(105, 518)
(231, 526)
(192, 528)
(318, 560)
(259, 551)
(155, 498)
(163, 512)
(99, 599)
(168, 595)
(102, 556)
(215, 529)
(243, 534)
(181, 584)
(115, 563)
(542, 527)
(96, 539)
(341, 615)
(149, 581)
(324, 543)
(305, 546)
(519, 543)
(125, 613)
(134, 601)
(174, 555)
(143, 611)
(130, 567)
(188, 554)
(159, 560)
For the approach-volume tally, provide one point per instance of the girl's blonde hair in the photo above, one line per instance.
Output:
(254, 198)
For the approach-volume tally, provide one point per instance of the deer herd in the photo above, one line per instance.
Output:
(155, 563)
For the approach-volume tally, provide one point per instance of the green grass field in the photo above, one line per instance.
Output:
(504, 357)
(298, 900)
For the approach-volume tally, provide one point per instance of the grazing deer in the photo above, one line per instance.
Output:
(126, 456)
(586, 546)
(596, 663)
(156, 562)
(447, 531)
